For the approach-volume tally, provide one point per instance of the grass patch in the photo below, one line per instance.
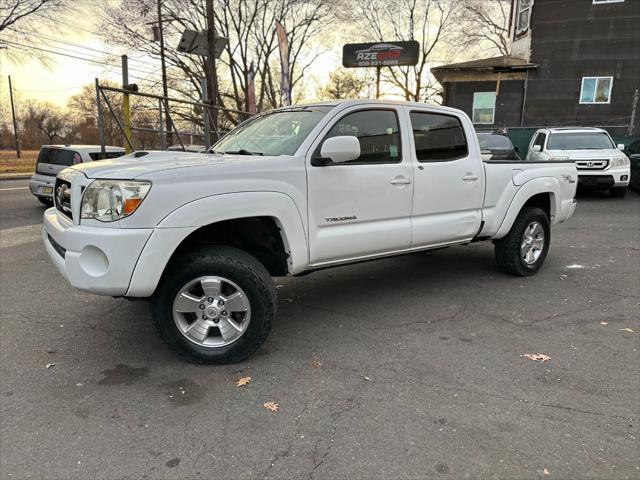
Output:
(10, 163)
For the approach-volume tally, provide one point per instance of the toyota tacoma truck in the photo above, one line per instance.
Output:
(287, 192)
(601, 163)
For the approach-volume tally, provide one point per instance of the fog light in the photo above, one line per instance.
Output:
(623, 177)
(93, 261)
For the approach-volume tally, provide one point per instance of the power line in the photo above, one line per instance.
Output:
(73, 44)
(90, 60)
(86, 55)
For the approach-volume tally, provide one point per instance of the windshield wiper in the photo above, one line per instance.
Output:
(242, 151)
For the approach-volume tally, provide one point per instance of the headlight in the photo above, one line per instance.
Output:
(619, 162)
(110, 200)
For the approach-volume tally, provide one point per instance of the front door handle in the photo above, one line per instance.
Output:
(469, 177)
(401, 181)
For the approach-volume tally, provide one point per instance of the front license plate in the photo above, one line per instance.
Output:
(48, 190)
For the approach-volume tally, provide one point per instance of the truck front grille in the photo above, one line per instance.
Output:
(62, 197)
(592, 164)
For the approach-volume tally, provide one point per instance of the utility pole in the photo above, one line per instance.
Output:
(165, 90)
(632, 122)
(126, 107)
(212, 87)
(103, 153)
(15, 122)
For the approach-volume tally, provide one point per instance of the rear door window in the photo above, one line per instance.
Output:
(107, 155)
(438, 137)
(58, 156)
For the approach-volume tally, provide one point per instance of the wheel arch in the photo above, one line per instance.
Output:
(541, 192)
(270, 218)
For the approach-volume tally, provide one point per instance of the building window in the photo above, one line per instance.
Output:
(523, 18)
(595, 2)
(596, 89)
(484, 107)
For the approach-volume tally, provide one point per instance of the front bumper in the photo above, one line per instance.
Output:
(100, 260)
(42, 185)
(613, 177)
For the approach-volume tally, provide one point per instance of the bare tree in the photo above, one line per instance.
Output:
(42, 119)
(344, 84)
(250, 27)
(484, 24)
(19, 17)
(426, 21)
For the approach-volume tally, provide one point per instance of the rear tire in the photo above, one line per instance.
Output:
(523, 250)
(46, 201)
(232, 269)
(618, 192)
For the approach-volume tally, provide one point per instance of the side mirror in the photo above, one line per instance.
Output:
(621, 146)
(516, 148)
(537, 148)
(341, 149)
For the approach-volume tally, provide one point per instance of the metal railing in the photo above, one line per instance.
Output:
(210, 127)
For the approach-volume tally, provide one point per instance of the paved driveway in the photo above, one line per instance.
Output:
(421, 375)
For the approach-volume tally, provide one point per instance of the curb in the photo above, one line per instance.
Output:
(15, 176)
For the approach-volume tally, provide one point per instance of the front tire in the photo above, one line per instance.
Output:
(215, 305)
(523, 250)
(618, 192)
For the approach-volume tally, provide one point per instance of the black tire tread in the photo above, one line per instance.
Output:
(507, 249)
(234, 258)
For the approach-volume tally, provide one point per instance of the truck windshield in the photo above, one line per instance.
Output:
(579, 141)
(276, 133)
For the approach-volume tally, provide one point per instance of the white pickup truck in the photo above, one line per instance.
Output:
(288, 192)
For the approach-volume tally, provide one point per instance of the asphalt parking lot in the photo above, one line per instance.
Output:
(421, 370)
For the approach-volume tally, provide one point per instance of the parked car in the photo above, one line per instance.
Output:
(499, 145)
(633, 152)
(54, 158)
(601, 164)
(285, 193)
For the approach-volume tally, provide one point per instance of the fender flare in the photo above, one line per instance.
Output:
(180, 223)
(536, 186)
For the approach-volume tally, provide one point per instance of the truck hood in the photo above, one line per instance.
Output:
(606, 154)
(130, 166)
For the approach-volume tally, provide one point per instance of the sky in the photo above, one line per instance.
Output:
(64, 76)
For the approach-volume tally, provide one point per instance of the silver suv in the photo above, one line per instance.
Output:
(53, 158)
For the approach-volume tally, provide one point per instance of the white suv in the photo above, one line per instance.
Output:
(600, 163)
(54, 158)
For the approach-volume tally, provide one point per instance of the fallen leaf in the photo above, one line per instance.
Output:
(316, 363)
(367, 378)
(537, 357)
(244, 381)
(49, 365)
(546, 472)
(272, 406)
(604, 323)
(627, 329)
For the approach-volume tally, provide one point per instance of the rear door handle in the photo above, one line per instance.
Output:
(401, 181)
(470, 177)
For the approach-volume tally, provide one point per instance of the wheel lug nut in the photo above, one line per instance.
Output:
(210, 299)
(201, 307)
(224, 313)
(220, 303)
(204, 317)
